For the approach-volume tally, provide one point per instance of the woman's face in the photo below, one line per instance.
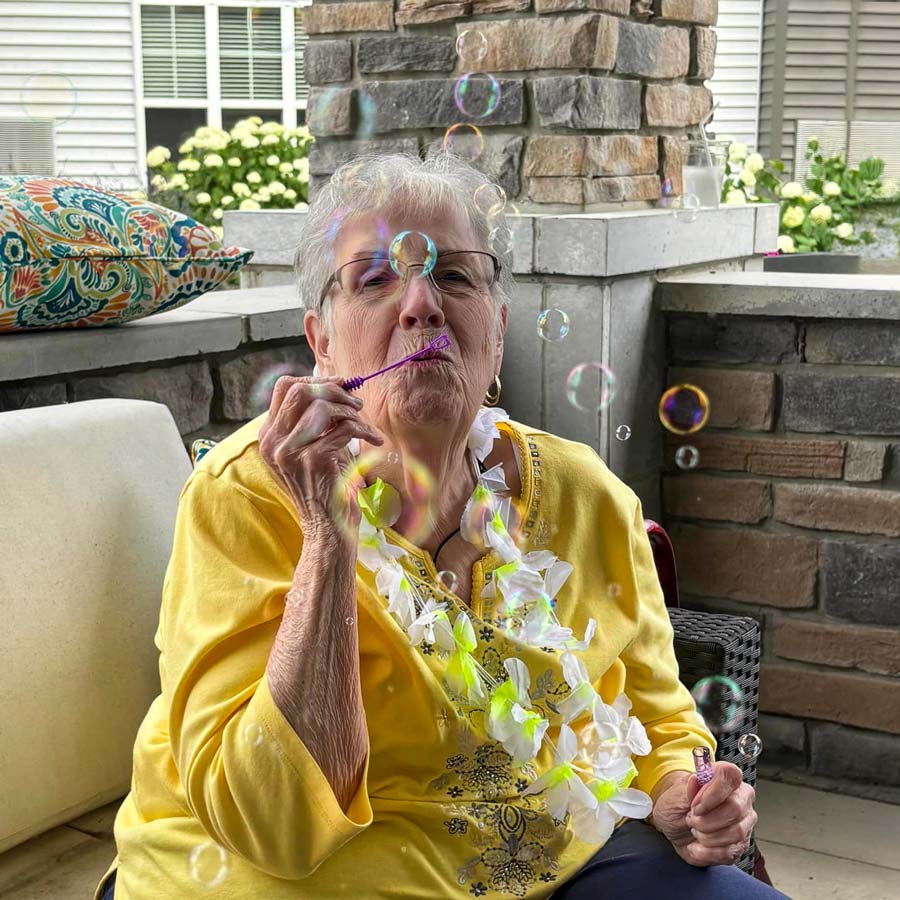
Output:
(370, 334)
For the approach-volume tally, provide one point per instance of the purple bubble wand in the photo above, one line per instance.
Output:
(439, 343)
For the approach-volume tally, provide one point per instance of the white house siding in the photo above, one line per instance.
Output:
(74, 59)
(735, 84)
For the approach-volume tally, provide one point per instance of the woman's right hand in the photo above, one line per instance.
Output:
(304, 442)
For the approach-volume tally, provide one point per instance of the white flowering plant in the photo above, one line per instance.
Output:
(820, 211)
(255, 165)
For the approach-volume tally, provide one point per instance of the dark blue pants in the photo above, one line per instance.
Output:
(638, 862)
(109, 888)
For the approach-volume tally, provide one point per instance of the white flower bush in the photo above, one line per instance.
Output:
(255, 165)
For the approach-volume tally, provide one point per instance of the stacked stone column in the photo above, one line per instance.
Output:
(597, 96)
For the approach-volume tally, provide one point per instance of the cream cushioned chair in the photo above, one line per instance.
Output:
(88, 497)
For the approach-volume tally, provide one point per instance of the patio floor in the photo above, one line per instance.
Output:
(818, 845)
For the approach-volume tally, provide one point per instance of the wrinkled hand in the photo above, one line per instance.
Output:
(709, 825)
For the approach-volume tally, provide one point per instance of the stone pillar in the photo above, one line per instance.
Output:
(596, 96)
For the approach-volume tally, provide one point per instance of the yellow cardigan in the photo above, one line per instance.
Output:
(221, 777)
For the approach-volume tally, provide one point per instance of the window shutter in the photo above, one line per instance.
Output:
(250, 53)
(173, 48)
(300, 39)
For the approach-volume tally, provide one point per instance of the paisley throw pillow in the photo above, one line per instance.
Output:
(76, 256)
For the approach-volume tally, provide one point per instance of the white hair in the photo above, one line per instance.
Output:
(402, 184)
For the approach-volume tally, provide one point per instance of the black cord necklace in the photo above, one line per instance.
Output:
(479, 470)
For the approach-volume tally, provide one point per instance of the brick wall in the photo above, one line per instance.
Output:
(793, 516)
(595, 95)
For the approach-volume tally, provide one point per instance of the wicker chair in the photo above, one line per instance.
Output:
(707, 644)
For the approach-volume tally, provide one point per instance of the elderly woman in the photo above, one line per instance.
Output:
(410, 648)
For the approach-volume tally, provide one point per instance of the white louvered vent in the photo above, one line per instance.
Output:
(250, 53)
(173, 46)
(300, 40)
(27, 147)
(832, 138)
(875, 139)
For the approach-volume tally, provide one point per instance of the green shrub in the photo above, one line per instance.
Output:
(819, 212)
(257, 165)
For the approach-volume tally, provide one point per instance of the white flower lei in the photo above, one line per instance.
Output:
(528, 584)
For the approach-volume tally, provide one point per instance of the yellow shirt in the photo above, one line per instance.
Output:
(439, 811)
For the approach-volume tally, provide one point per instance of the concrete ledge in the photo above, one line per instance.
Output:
(782, 294)
(267, 313)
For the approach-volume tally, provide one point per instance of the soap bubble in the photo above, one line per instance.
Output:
(683, 409)
(261, 391)
(720, 702)
(471, 46)
(368, 117)
(448, 579)
(552, 325)
(665, 193)
(393, 457)
(464, 140)
(411, 519)
(750, 745)
(412, 248)
(490, 199)
(253, 734)
(689, 209)
(48, 95)
(687, 457)
(591, 387)
(476, 94)
(209, 864)
(623, 432)
(348, 620)
(500, 240)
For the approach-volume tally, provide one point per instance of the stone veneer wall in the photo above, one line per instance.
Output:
(596, 95)
(793, 516)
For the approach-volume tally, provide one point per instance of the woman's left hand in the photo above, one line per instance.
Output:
(708, 826)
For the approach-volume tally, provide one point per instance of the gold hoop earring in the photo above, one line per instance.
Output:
(488, 399)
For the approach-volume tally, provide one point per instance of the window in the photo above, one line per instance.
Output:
(250, 53)
(172, 127)
(173, 46)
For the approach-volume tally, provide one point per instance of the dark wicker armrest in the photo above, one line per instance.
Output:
(709, 644)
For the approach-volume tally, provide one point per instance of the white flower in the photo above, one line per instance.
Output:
(747, 177)
(285, 168)
(213, 160)
(422, 627)
(510, 717)
(249, 142)
(187, 146)
(276, 187)
(264, 194)
(737, 152)
(831, 189)
(583, 694)
(290, 194)
(234, 162)
(159, 182)
(810, 197)
(735, 197)
(462, 671)
(271, 128)
(889, 187)
(373, 550)
(755, 162)
(844, 231)
(393, 583)
(254, 177)
(249, 204)
(203, 198)
(178, 181)
(615, 734)
(594, 825)
(792, 190)
(301, 206)
(217, 214)
(566, 792)
(270, 139)
(821, 214)
(272, 159)
(227, 200)
(240, 189)
(786, 244)
(484, 429)
(188, 165)
(157, 156)
(793, 217)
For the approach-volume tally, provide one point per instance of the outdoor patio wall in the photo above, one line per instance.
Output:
(793, 513)
(596, 96)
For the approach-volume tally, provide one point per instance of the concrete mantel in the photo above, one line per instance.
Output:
(591, 245)
(795, 294)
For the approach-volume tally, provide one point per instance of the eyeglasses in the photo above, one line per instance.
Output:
(457, 273)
